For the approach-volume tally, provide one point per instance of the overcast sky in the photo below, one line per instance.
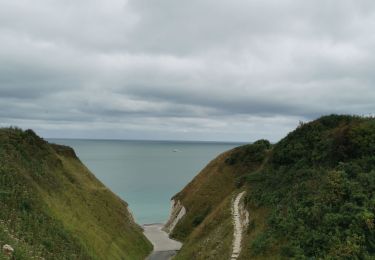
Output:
(234, 70)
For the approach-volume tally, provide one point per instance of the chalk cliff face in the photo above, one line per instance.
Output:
(53, 207)
(318, 180)
(178, 211)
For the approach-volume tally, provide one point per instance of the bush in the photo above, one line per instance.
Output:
(260, 244)
(318, 185)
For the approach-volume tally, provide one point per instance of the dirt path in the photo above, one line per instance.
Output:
(238, 228)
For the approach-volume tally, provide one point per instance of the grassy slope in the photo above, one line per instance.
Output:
(53, 207)
(312, 195)
(206, 228)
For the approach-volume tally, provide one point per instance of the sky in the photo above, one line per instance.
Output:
(237, 70)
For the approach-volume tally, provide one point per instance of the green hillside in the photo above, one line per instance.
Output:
(52, 207)
(310, 196)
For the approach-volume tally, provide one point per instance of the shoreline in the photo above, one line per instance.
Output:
(152, 224)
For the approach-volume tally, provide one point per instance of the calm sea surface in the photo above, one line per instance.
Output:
(146, 174)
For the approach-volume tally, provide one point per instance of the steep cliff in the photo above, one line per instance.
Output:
(52, 207)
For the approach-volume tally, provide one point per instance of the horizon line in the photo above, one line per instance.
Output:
(147, 140)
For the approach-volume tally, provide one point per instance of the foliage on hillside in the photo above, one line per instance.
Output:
(52, 207)
(207, 228)
(319, 185)
(310, 196)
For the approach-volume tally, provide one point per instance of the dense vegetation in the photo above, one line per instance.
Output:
(52, 207)
(320, 186)
(310, 196)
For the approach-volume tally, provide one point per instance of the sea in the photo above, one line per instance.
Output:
(146, 174)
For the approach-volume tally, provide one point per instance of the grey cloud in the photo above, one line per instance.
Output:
(232, 70)
(197, 26)
(88, 25)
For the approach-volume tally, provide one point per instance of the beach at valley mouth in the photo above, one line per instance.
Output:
(164, 247)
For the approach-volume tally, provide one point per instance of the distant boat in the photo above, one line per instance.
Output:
(176, 150)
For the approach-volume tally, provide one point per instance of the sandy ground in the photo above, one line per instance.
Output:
(164, 247)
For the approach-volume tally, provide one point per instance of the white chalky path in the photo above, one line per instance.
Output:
(238, 229)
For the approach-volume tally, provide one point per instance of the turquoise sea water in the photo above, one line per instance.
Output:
(146, 174)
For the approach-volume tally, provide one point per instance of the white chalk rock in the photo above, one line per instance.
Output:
(8, 250)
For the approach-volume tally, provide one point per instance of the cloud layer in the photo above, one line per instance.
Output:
(208, 70)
